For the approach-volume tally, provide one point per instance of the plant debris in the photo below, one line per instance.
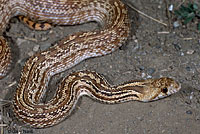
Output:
(188, 13)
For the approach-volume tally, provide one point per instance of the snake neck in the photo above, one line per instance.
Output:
(94, 85)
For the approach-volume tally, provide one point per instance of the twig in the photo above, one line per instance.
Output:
(1, 129)
(169, 17)
(5, 102)
(13, 83)
(188, 38)
(146, 15)
(3, 125)
(180, 4)
(164, 32)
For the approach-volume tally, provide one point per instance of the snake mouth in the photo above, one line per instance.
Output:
(173, 89)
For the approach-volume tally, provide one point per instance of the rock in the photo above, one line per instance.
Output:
(188, 112)
(176, 24)
(150, 71)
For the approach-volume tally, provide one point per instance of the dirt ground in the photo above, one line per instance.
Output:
(152, 51)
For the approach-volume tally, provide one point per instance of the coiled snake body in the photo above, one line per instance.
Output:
(112, 15)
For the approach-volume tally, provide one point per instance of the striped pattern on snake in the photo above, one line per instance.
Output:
(112, 16)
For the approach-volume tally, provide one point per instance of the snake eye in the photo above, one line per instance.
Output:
(164, 90)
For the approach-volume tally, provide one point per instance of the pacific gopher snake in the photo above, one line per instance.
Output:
(112, 15)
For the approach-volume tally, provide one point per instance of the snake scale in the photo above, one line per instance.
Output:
(37, 71)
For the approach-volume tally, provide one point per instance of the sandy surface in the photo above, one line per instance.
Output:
(152, 50)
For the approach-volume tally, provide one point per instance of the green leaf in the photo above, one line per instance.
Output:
(176, 12)
(184, 14)
(190, 8)
(183, 9)
(198, 14)
(195, 6)
(189, 18)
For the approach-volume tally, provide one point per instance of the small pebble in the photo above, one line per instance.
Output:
(36, 48)
(191, 96)
(182, 54)
(188, 112)
(190, 51)
(143, 75)
(150, 71)
(31, 53)
(133, 37)
(149, 76)
(136, 41)
(44, 38)
(141, 68)
(177, 46)
(20, 41)
(139, 118)
(51, 31)
(197, 117)
(158, 46)
(188, 68)
(171, 7)
(176, 24)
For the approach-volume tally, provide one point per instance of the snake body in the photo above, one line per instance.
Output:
(37, 71)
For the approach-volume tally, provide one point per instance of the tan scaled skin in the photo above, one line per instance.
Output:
(35, 25)
(112, 16)
(88, 83)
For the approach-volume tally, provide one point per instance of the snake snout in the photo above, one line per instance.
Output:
(174, 87)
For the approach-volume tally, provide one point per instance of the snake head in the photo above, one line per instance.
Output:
(165, 87)
(160, 88)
